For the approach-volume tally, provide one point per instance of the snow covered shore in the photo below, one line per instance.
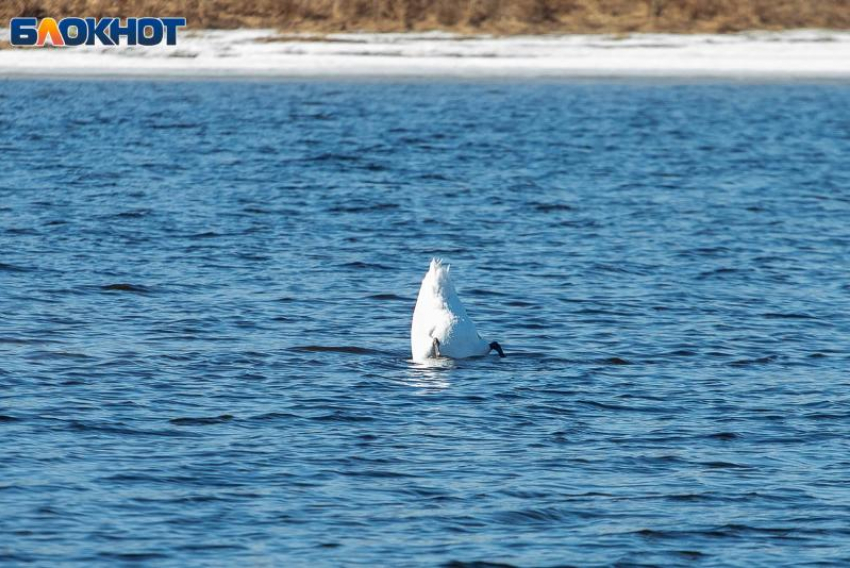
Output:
(267, 53)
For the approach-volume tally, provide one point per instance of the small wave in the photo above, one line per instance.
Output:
(124, 287)
(687, 497)
(477, 564)
(725, 436)
(393, 297)
(201, 421)
(674, 534)
(116, 428)
(21, 231)
(599, 312)
(680, 353)
(532, 516)
(333, 349)
(205, 235)
(377, 473)
(13, 268)
(749, 362)
(580, 223)
(519, 303)
(58, 355)
(433, 177)
(724, 465)
(363, 208)
(484, 293)
(827, 416)
(275, 416)
(174, 125)
(333, 157)
(131, 214)
(17, 341)
(613, 361)
(718, 272)
(340, 416)
(551, 207)
(134, 556)
(690, 554)
(773, 315)
(624, 408)
(615, 268)
(366, 265)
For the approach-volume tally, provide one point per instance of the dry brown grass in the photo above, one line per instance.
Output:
(464, 16)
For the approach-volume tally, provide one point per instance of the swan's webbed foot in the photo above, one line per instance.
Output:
(495, 345)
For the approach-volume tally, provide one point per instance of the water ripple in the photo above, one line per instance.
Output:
(206, 298)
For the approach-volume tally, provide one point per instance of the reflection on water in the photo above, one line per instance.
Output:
(432, 375)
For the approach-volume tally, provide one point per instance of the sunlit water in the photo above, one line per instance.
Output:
(205, 299)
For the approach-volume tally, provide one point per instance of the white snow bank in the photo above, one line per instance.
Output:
(259, 53)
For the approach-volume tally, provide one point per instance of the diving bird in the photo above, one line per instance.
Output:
(440, 326)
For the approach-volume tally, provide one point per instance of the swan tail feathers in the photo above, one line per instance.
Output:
(439, 272)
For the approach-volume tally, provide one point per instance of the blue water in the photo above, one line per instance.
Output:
(205, 299)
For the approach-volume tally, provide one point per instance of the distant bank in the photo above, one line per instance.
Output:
(468, 16)
(249, 53)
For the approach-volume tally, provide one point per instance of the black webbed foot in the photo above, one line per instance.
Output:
(495, 345)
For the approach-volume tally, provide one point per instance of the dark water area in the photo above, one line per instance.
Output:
(205, 299)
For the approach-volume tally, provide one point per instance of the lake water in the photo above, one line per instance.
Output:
(205, 299)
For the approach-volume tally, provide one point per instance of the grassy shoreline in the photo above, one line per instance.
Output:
(466, 16)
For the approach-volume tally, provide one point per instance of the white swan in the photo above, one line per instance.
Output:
(440, 326)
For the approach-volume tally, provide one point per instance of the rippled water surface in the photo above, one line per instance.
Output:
(205, 299)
